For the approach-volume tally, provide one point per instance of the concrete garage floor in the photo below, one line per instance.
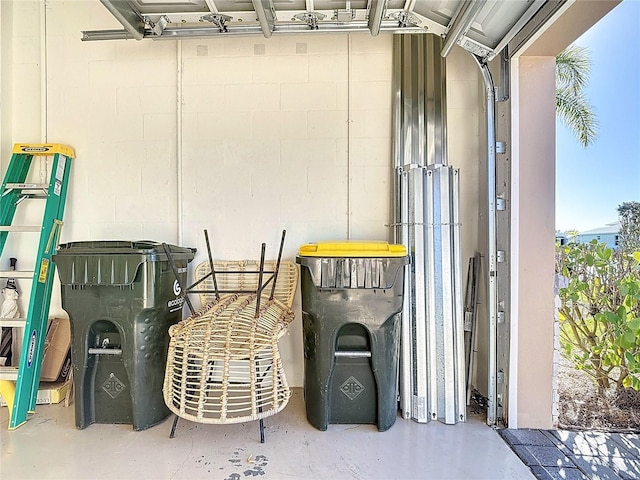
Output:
(49, 446)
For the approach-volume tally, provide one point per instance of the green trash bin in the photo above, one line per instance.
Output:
(121, 298)
(352, 295)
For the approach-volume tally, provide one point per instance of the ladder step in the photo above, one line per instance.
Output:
(26, 186)
(9, 373)
(40, 149)
(16, 274)
(22, 228)
(12, 322)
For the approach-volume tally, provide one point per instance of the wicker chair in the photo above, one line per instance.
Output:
(233, 276)
(223, 364)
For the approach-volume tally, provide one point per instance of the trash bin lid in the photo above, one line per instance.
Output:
(152, 249)
(110, 262)
(351, 248)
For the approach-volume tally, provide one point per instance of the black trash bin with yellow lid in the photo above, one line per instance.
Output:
(352, 295)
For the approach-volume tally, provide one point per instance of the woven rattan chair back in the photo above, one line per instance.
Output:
(245, 278)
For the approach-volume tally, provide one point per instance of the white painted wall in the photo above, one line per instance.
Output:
(290, 132)
(6, 78)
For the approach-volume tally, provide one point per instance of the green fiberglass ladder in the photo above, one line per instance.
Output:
(21, 395)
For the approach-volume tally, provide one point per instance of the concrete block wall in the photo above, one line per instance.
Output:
(243, 136)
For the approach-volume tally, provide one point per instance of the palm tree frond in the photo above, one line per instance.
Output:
(573, 66)
(577, 114)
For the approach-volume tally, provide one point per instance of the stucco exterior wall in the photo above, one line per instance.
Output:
(533, 240)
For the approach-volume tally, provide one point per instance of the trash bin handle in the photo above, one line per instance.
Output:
(352, 354)
(105, 351)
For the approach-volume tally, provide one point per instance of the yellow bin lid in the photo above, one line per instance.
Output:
(353, 249)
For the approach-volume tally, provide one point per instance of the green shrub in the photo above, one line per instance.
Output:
(600, 312)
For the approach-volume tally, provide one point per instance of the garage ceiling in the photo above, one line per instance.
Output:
(482, 27)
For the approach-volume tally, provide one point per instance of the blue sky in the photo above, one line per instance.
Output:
(592, 182)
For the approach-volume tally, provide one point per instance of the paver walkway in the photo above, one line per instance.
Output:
(567, 455)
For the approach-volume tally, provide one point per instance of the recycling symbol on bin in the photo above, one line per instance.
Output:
(352, 388)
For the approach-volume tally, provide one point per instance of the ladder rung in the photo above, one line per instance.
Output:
(8, 373)
(16, 274)
(21, 228)
(30, 195)
(27, 186)
(12, 322)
